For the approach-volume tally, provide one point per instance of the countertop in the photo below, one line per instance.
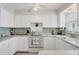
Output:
(67, 39)
(10, 36)
(5, 38)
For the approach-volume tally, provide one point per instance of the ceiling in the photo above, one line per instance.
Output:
(27, 6)
(42, 6)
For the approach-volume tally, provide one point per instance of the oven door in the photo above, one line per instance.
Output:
(35, 42)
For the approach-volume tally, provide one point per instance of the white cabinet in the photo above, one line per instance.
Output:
(46, 21)
(62, 22)
(69, 47)
(63, 45)
(12, 45)
(22, 21)
(22, 43)
(4, 48)
(26, 21)
(8, 47)
(60, 44)
(53, 20)
(18, 21)
(49, 20)
(49, 43)
(35, 18)
(6, 18)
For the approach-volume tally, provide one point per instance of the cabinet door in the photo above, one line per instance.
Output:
(22, 21)
(49, 43)
(12, 46)
(35, 18)
(22, 44)
(53, 20)
(69, 47)
(26, 21)
(45, 43)
(4, 48)
(11, 19)
(46, 21)
(18, 21)
(62, 19)
(62, 45)
(59, 44)
(6, 18)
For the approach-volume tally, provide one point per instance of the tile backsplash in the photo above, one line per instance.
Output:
(50, 30)
(45, 30)
(24, 30)
(4, 30)
(21, 30)
(53, 30)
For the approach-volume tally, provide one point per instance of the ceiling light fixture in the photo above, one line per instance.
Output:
(36, 7)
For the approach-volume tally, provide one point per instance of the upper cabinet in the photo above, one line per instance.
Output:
(50, 20)
(46, 21)
(26, 20)
(22, 21)
(62, 20)
(18, 21)
(6, 18)
(35, 18)
(54, 20)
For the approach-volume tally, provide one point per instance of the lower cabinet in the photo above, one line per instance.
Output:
(12, 45)
(4, 48)
(22, 43)
(60, 44)
(70, 47)
(49, 43)
(54, 43)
